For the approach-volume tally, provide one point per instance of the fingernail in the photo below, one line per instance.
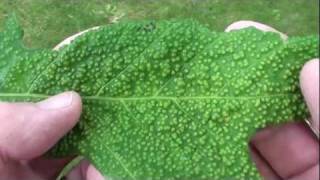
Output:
(57, 102)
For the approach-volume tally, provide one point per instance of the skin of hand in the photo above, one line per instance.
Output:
(28, 130)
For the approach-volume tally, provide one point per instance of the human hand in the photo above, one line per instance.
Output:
(289, 151)
(28, 130)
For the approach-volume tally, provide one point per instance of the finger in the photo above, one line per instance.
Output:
(85, 171)
(29, 130)
(262, 165)
(309, 80)
(48, 168)
(245, 24)
(290, 150)
(312, 174)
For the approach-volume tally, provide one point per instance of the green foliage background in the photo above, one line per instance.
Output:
(47, 22)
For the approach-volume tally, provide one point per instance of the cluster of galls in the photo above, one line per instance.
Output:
(167, 100)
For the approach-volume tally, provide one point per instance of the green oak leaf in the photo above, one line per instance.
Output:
(164, 100)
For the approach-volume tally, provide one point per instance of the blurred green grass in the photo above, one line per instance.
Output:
(47, 22)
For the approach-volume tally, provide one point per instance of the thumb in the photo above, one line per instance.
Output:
(29, 130)
(309, 80)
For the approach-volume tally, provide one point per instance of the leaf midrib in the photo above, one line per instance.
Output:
(142, 98)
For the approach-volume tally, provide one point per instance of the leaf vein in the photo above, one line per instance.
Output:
(105, 98)
(126, 68)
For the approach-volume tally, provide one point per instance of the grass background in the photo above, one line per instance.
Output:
(47, 22)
